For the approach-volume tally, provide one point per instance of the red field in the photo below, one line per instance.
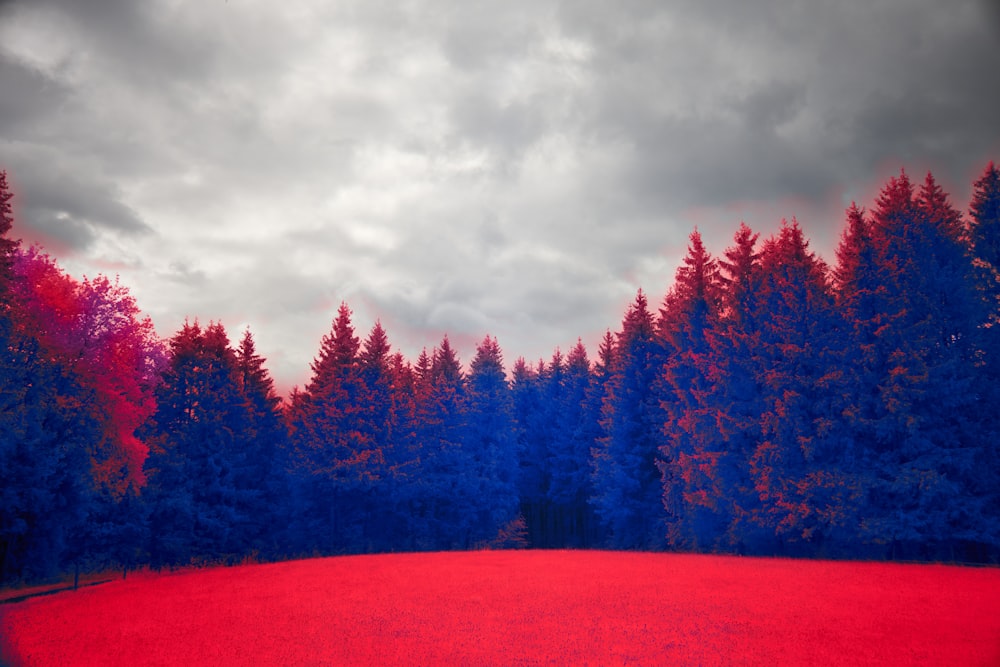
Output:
(521, 608)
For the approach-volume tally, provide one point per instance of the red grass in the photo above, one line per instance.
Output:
(522, 608)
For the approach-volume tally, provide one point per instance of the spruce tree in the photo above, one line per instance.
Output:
(694, 457)
(984, 238)
(201, 489)
(737, 392)
(337, 459)
(379, 422)
(447, 489)
(627, 485)
(264, 439)
(490, 443)
(576, 432)
(797, 465)
(915, 316)
(530, 427)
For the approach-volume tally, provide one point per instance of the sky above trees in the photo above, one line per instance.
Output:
(518, 169)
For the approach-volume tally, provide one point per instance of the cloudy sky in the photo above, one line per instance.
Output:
(515, 168)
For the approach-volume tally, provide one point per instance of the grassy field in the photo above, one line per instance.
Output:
(521, 608)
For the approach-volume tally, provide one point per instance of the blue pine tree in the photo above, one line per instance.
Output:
(627, 480)
(490, 444)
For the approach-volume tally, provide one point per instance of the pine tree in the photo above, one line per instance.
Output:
(403, 458)
(336, 456)
(628, 487)
(490, 444)
(417, 487)
(984, 239)
(576, 432)
(199, 489)
(797, 466)
(379, 422)
(984, 236)
(694, 457)
(46, 431)
(531, 428)
(737, 392)
(447, 490)
(600, 467)
(264, 439)
(914, 315)
(555, 434)
(203, 489)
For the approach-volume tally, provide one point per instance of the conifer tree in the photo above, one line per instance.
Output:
(737, 392)
(797, 465)
(490, 443)
(576, 431)
(555, 433)
(417, 490)
(984, 238)
(984, 235)
(922, 449)
(627, 485)
(46, 431)
(447, 491)
(694, 458)
(264, 439)
(530, 425)
(403, 458)
(337, 458)
(200, 489)
(599, 462)
(379, 422)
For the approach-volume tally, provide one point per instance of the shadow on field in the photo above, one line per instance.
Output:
(14, 596)
(11, 597)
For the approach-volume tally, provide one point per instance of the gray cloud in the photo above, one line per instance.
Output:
(64, 203)
(516, 169)
(27, 93)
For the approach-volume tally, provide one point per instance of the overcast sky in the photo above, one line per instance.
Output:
(515, 168)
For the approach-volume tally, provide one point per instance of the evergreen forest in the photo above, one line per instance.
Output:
(769, 403)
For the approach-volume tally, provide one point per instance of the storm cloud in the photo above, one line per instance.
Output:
(518, 169)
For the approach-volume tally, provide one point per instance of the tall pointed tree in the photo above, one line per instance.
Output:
(447, 489)
(336, 455)
(922, 364)
(737, 392)
(201, 492)
(984, 237)
(403, 457)
(796, 466)
(265, 441)
(694, 457)
(627, 484)
(378, 420)
(491, 443)
(532, 445)
(576, 432)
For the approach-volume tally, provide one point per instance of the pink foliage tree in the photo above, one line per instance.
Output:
(96, 325)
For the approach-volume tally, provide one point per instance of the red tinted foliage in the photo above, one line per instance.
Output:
(97, 327)
(540, 607)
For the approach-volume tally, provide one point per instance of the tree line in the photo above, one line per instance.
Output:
(772, 404)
